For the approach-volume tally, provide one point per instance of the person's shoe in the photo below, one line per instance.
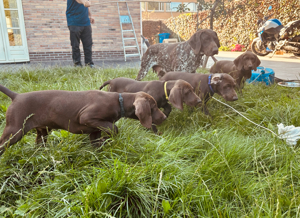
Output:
(77, 64)
(90, 65)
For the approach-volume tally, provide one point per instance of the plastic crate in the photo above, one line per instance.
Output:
(265, 75)
(163, 36)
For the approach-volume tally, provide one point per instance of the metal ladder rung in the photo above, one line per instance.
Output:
(129, 38)
(130, 46)
(132, 55)
(127, 30)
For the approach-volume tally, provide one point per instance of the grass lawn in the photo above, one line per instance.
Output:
(197, 167)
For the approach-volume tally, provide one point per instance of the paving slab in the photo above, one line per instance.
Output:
(285, 66)
(131, 63)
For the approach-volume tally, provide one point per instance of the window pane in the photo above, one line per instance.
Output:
(191, 6)
(10, 3)
(12, 19)
(161, 6)
(143, 5)
(168, 7)
(14, 37)
(153, 6)
(196, 7)
(174, 6)
(158, 6)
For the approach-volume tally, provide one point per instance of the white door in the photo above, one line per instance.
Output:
(12, 32)
(2, 49)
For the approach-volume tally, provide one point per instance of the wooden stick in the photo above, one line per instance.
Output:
(215, 59)
(205, 61)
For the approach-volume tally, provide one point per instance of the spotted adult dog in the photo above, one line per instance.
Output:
(182, 56)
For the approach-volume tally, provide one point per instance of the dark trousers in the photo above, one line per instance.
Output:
(83, 33)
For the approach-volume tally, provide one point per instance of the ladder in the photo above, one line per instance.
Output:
(126, 19)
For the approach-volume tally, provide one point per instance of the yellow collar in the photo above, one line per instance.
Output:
(165, 88)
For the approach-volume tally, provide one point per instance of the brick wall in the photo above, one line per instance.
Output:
(48, 34)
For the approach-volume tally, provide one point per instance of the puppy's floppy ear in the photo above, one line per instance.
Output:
(217, 40)
(195, 42)
(176, 97)
(238, 62)
(216, 78)
(143, 111)
(156, 68)
(256, 62)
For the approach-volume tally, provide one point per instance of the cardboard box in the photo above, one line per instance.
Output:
(173, 40)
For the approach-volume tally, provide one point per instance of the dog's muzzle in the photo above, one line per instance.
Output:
(215, 51)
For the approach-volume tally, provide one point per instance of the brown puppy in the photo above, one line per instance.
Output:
(239, 69)
(79, 112)
(182, 56)
(205, 85)
(178, 92)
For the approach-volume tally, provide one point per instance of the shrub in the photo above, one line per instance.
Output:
(238, 24)
(224, 48)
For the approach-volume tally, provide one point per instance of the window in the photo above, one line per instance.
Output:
(168, 7)
(157, 6)
(192, 6)
(143, 6)
(173, 6)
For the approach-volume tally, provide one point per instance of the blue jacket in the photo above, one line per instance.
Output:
(77, 14)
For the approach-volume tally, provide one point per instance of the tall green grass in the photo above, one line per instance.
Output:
(196, 167)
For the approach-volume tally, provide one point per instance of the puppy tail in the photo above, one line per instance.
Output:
(7, 92)
(104, 84)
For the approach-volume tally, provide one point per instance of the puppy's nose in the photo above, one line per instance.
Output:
(215, 50)
(235, 98)
(250, 66)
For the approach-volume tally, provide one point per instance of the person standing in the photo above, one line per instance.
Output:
(79, 23)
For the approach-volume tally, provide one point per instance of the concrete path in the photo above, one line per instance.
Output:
(133, 63)
(285, 66)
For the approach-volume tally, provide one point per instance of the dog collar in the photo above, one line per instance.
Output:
(165, 88)
(209, 85)
(121, 100)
